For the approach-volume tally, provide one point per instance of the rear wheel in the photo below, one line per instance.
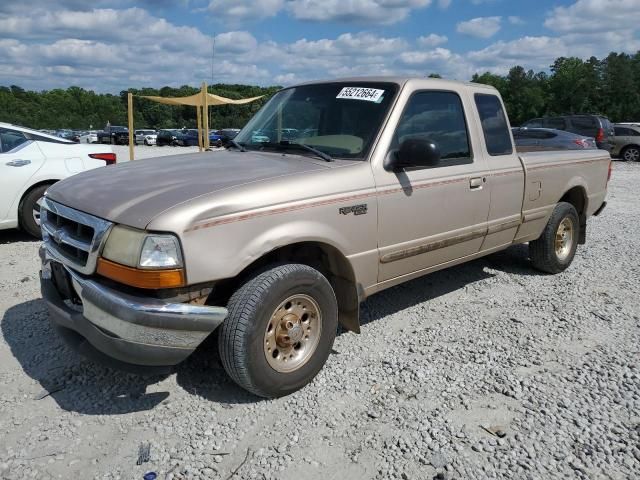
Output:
(554, 250)
(29, 210)
(280, 330)
(631, 154)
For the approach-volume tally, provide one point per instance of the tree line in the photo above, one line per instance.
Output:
(608, 86)
(77, 108)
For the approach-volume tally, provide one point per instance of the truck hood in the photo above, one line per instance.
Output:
(134, 193)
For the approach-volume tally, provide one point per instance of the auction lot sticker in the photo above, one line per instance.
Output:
(360, 93)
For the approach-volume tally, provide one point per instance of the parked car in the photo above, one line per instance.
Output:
(145, 137)
(227, 134)
(89, 137)
(30, 162)
(114, 135)
(530, 139)
(187, 137)
(215, 140)
(275, 244)
(167, 137)
(595, 126)
(68, 135)
(626, 142)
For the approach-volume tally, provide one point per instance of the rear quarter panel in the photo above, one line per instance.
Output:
(549, 175)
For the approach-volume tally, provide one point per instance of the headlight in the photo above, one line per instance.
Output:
(138, 249)
(143, 260)
(160, 251)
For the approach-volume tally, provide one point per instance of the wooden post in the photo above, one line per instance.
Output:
(199, 120)
(205, 115)
(130, 115)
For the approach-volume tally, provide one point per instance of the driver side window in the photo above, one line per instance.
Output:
(438, 117)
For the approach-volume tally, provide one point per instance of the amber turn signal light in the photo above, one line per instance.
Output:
(136, 277)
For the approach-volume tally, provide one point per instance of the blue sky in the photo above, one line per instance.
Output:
(109, 45)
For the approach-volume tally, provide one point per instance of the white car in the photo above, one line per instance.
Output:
(31, 161)
(89, 137)
(145, 137)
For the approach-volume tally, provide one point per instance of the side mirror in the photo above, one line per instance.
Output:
(413, 152)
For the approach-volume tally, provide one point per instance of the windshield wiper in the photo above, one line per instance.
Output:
(237, 145)
(325, 156)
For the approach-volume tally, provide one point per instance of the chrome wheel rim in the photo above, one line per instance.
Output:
(293, 333)
(632, 154)
(564, 238)
(36, 211)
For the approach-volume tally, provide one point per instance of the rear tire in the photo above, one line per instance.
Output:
(280, 330)
(631, 154)
(29, 210)
(554, 250)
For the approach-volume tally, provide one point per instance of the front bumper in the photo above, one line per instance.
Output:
(124, 330)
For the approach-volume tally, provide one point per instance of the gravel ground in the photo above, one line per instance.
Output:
(486, 370)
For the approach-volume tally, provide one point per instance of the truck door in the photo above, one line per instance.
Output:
(431, 216)
(506, 180)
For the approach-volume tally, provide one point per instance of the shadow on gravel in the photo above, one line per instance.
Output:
(83, 386)
(12, 236)
(202, 374)
(75, 384)
(514, 260)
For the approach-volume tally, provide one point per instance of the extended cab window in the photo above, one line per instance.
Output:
(439, 118)
(494, 124)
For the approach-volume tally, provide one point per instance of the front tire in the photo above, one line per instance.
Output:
(29, 211)
(280, 330)
(554, 250)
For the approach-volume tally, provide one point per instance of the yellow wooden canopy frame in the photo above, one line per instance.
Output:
(201, 100)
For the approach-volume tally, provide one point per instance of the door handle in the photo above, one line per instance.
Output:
(476, 183)
(18, 163)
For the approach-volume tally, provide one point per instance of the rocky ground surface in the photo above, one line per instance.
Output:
(486, 370)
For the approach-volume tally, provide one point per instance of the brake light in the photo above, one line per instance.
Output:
(110, 158)
(580, 142)
(600, 135)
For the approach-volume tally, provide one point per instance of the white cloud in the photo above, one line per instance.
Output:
(235, 42)
(515, 20)
(431, 40)
(481, 27)
(110, 49)
(378, 11)
(444, 4)
(594, 16)
(238, 10)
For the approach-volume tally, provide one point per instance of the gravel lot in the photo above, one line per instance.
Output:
(549, 364)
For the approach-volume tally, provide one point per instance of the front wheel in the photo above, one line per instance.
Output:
(554, 250)
(280, 330)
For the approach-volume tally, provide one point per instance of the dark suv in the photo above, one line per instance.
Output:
(595, 126)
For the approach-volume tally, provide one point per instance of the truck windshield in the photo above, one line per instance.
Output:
(339, 119)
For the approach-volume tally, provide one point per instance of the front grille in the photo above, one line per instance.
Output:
(72, 237)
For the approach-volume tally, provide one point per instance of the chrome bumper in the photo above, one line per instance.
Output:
(130, 329)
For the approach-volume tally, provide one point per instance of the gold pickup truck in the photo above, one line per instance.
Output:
(332, 192)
